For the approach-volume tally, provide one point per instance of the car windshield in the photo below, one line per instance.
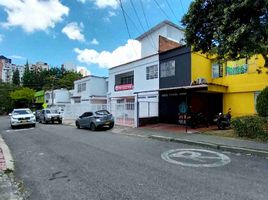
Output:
(51, 111)
(22, 112)
(102, 112)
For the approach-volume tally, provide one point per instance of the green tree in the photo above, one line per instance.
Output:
(23, 96)
(262, 103)
(67, 81)
(231, 29)
(6, 103)
(16, 77)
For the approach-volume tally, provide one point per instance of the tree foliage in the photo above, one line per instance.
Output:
(6, 103)
(24, 94)
(262, 103)
(16, 77)
(53, 78)
(231, 29)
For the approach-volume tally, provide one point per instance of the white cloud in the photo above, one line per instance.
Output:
(33, 15)
(82, 1)
(112, 14)
(83, 70)
(123, 54)
(73, 31)
(1, 37)
(18, 57)
(103, 3)
(94, 41)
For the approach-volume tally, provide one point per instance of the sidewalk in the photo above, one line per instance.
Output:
(9, 189)
(223, 143)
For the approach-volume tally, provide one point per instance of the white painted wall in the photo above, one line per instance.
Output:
(60, 97)
(95, 86)
(140, 82)
(150, 43)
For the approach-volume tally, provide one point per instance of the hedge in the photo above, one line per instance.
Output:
(251, 127)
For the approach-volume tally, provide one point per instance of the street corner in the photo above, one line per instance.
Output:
(6, 159)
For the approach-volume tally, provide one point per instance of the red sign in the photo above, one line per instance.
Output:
(124, 87)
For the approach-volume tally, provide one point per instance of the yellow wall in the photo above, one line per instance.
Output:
(201, 67)
(250, 81)
(240, 103)
(239, 93)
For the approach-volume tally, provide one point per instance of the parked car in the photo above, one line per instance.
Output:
(50, 115)
(22, 116)
(94, 120)
(37, 115)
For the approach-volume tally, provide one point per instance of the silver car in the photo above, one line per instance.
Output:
(94, 120)
(22, 116)
(50, 115)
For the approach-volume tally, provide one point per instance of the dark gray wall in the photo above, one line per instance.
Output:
(182, 57)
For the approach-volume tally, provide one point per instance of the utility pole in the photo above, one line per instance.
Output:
(52, 92)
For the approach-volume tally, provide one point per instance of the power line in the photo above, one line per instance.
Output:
(136, 13)
(125, 20)
(171, 10)
(161, 9)
(147, 23)
(182, 6)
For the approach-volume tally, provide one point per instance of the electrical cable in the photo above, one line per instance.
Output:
(166, 15)
(172, 11)
(125, 20)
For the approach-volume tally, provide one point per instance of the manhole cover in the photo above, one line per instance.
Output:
(195, 158)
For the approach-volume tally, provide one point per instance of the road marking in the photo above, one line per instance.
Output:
(195, 158)
(18, 130)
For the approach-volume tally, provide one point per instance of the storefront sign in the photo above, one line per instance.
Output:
(236, 67)
(124, 87)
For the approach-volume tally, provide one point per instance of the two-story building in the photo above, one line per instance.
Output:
(191, 80)
(89, 94)
(133, 87)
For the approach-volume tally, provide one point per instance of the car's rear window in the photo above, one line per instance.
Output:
(102, 112)
(21, 112)
(51, 111)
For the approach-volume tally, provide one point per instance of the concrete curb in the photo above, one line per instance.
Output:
(258, 152)
(234, 149)
(7, 155)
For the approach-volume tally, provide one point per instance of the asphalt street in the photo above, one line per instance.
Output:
(57, 162)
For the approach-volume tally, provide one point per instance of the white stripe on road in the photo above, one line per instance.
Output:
(24, 129)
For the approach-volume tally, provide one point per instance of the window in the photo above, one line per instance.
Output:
(125, 78)
(151, 72)
(167, 68)
(81, 87)
(256, 94)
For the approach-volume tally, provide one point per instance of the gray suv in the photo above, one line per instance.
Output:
(94, 120)
(49, 115)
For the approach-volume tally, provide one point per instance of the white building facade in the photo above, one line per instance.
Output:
(134, 87)
(89, 94)
(57, 99)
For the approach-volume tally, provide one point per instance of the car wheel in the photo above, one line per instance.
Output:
(12, 126)
(60, 121)
(33, 125)
(111, 126)
(92, 127)
(77, 125)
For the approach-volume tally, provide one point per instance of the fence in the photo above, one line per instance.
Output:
(73, 111)
(124, 113)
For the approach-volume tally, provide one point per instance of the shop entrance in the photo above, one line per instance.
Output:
(171, 103)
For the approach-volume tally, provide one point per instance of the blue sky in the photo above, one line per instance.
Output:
(88, 33)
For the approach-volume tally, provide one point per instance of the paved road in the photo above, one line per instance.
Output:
(60, 162)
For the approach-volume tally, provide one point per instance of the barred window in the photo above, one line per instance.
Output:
(167, 69)
(151, 72)
(81, 87)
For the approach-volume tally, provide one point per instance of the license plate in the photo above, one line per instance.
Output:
(23, 121)
(107, 123)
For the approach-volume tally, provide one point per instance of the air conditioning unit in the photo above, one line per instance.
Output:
(201, 81)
